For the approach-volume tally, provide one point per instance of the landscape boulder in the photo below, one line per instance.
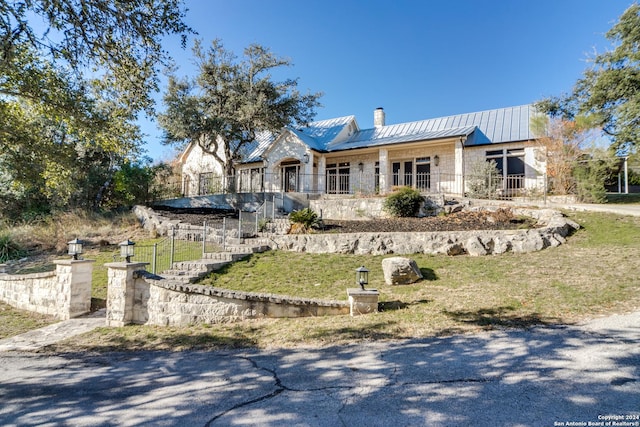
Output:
(400, 271)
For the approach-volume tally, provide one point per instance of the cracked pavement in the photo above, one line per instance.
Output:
(537, 377)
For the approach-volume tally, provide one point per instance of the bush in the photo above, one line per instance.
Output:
(306, 219)
(9, 249)
(403, 203)
(484, 179)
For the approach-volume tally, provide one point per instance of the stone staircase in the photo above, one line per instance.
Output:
(276, 226)
(192, 271)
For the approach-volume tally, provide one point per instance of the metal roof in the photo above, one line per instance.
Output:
(363, 142)
(485, 127)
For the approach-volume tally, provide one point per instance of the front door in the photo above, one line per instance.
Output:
(290, 178)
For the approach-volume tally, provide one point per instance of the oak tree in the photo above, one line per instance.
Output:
(231, 100)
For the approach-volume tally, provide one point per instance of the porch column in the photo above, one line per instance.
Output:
(268, 178)
(459, 167)
(322, 172)
(307, 174)
(383, 159)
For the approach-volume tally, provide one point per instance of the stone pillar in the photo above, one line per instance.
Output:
(362, 301)
(73, 287)
(322, 170)
(383, 166)
(459, 168)
(120, 291)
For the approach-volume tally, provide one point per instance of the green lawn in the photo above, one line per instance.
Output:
(595, 273)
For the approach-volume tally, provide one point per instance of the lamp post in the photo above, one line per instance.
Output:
(126, 250)
(362, 276)
(75, 248)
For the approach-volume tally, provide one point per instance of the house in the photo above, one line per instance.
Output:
(335, 156)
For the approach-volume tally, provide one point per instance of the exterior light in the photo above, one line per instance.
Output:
(362, 276)
(305, 158)
(126, 250)
(360, 166)
(436, 160)
(75, 248)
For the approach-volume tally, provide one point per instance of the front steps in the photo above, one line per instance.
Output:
(192, 271)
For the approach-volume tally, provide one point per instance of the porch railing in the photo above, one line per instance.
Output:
(360, 183)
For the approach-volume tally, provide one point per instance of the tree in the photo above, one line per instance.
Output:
(610, 89)
(563, 142)
(231, 101)
(120, 38)
(70, 94)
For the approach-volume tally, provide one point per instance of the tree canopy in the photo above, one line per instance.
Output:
(121, 40)
(609, 90)
(74, 74)
(231, 100)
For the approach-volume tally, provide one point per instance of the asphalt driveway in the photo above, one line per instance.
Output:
(542, 377)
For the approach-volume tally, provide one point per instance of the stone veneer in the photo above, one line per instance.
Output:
(64, 293)
(136, 296)
(553, 228)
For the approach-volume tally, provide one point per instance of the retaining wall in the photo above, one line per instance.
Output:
(64, 293)
(135, 296)
(553, 230)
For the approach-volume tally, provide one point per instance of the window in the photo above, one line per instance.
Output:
(413, 173)
(510, 164)
(338, 178)
(423, 173)
(251, 180)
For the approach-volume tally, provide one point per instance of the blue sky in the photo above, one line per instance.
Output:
(417, 59)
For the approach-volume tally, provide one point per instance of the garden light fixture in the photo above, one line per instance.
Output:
(75, 248)
(362, 276)
(126, 250)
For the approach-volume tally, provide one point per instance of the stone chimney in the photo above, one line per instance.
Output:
(378, 117)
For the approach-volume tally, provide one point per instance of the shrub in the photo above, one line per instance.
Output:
(484, 179)
(305, 219)
(403, 203)
(9, 249)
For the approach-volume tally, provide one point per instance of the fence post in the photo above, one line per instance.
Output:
(240, 227)
(224, 233)
(155, 257)
(204, 238)
(173, 246)
(256, 230)
(544, 177)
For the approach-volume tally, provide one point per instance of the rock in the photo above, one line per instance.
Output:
(475, 247)
(400, 271)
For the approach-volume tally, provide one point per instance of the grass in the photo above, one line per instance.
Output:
(594, 273)
(14, 321)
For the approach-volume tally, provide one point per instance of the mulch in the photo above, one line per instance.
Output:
(501, 219)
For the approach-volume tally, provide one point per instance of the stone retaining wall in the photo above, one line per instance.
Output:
(143, 298)
(553, 230)
(64, 293)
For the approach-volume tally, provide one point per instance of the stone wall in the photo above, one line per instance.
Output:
(553, 230)
(64, 293)
(135, 296)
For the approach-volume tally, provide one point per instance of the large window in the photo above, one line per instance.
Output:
(510, 164)
(413, 173)
(338, 178)
(251, 180)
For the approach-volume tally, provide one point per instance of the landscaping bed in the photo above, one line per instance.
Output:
(500, 219)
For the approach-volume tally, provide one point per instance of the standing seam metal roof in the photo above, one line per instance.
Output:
(483, 127)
